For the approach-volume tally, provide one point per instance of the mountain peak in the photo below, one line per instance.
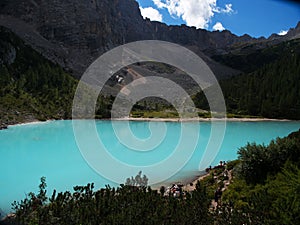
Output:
(294, 33)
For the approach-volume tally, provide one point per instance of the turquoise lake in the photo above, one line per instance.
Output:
(49, 149)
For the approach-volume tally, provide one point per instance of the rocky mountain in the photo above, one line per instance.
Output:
(74, 33)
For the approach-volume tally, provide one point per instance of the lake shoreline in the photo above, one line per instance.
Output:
(199, 119)
(186, 181)
(4, 126)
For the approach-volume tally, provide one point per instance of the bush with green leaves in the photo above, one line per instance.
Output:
(259, 161)
(128, 204)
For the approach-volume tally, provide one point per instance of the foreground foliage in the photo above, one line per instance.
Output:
(266, 187)
(122, 205)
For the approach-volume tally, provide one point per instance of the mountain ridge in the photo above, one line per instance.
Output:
(74, 33)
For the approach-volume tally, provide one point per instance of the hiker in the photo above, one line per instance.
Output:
(218, 194)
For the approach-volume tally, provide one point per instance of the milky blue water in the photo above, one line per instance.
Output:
(49, 149)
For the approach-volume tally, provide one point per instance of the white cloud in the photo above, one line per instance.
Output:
(283, 32)
(218, 26)
(159, 4)
(228, 9)
(151, 13)
(196, 13)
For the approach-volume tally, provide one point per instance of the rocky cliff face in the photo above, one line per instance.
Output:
(73, 33)
(76, 31)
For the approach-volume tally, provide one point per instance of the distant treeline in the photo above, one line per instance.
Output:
(272, 87)
(32, 87)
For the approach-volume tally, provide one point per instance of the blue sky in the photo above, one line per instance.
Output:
(254, 17)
